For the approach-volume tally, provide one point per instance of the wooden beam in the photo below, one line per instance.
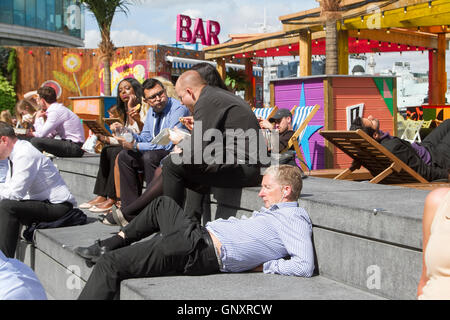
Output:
(328, 121)
(417, 15)
(408, 37)
(221, 68)
(249, 90)
(442, 75)
(373, 11)
(343, 52)
(433, 93)
(305, 53)
(254, 44)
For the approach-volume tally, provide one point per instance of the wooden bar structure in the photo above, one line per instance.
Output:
(340, 97)
(80, 73)
(364, 26)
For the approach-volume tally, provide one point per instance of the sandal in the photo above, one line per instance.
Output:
(118, 216)
(103, 207)
(93, 202)
(107, 219)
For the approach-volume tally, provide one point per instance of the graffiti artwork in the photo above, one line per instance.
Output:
(72, 64)
(124, 68)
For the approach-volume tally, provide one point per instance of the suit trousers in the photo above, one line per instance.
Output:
(13, 213)
(130, 164)
(179, 247)
(438, 144)
(177, 177)
(104, 184)
(59, 147)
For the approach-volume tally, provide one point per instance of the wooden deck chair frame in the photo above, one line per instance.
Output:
(365, 151)
(293, 141)
(271, 113)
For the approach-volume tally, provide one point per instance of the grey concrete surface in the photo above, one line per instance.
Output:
(239, 286)
(361, 254)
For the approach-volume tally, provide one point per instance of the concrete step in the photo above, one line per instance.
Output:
(366, 236)
(64, 274)
(240, 286)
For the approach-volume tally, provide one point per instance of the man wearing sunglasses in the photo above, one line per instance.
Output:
(142, 155)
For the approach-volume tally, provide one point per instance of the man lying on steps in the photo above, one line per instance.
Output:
(276, 239)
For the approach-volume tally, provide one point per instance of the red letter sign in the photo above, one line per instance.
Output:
(212, 31)
(183, 24)
(199, 32)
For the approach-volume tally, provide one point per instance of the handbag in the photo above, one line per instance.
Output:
(73, 217)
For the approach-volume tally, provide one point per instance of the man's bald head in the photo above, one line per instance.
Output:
(191, 79)
(188, 87)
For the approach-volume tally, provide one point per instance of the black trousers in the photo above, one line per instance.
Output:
(13, 213)
(182, 247)
(130, 164)
(438, 143)
(104, 184)
(58, 147)
(177, 177)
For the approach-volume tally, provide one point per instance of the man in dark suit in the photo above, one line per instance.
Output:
(430, 158)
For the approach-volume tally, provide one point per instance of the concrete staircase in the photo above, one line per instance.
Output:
(367, 239)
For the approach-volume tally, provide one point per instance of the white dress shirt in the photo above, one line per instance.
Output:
(18, 281)
(268, 237)
(33, 177)
(64, 122)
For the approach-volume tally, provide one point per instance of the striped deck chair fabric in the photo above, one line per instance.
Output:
(265, 113)
(301, 116)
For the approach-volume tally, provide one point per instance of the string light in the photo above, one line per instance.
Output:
(388, 30)
(429, 4)
(362, 18)
(404, 10)
(359, 32)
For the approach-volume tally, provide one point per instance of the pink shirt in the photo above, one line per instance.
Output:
(63, 122)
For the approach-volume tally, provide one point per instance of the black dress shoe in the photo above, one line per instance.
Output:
(92, 253)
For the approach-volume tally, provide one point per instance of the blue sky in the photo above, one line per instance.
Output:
(154, 22)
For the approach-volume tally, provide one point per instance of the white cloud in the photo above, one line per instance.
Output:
(91, 38)
(120, 38)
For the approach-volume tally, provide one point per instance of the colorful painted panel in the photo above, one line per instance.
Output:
(288, 93)
(351, 91)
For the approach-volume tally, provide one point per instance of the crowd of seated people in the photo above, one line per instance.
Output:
(178, 177)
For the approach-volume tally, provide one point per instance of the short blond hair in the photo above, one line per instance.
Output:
(287, 175)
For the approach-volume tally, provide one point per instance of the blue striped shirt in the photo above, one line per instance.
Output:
(170, 118)
(268, 237)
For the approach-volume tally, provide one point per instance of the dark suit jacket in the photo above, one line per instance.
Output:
(402, 149)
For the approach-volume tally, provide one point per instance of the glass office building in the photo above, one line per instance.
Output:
(42, 23)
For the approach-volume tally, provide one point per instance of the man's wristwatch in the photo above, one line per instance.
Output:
(135, 146)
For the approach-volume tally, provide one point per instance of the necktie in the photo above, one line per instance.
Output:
(10, 166)
(157, 123)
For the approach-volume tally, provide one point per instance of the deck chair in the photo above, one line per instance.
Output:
(265, 113)
(365, 151)
(401, 125)
(412, 131)
(301, 116)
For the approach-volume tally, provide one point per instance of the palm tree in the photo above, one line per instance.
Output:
(104, 11)
(330, 13)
